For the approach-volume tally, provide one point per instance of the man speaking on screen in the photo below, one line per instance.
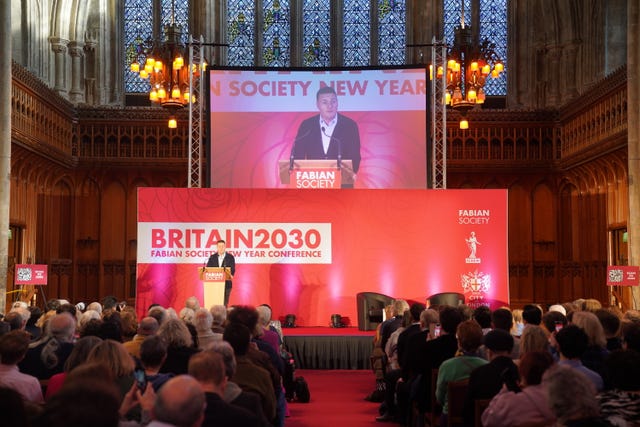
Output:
(328, 135)
(223, 259)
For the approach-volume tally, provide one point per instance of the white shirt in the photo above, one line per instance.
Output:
(327, 132)
(27, 385)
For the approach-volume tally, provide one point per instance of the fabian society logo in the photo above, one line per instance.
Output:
(472, 244)
(477, 284)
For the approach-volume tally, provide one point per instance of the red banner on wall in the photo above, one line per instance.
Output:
(309, 252)
(31, 274)
(622, 275)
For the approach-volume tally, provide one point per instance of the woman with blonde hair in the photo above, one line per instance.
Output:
(534, 338)
(180, 346)
(113, 355)
(518, 326)
(597, 351)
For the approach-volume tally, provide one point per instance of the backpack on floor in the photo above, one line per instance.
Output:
(288, 376)
(302, 393)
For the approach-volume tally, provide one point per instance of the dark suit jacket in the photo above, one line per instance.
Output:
(228, 261)
(345, 139)
(219, 413)
(485, 382)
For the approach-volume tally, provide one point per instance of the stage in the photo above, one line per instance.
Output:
(329, 348)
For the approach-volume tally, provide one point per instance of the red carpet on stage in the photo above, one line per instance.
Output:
(337, 399)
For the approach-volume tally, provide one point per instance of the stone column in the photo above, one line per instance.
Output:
(633, 135)
(59, 47)
(553, 75)
(5, 148)
(77, 54)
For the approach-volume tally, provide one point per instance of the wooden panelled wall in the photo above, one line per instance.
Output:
(75, 172)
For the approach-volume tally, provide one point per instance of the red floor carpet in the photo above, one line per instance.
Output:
(337, 399)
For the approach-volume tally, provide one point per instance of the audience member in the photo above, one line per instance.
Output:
(591, 305)
(219, 313)
(249, 376)
(553, 321)
(31, 326)
(531, 315)
(502, 319)
(596, 352)
(203, 322)
(533, 338)
(113, 355)
(95, 306)
(179, 346)
(12, 408)
(559, 308)
(181, 402)
(233, 394)
(611, 326)
(267, 335)
(482, 315)
(186, 315)
(153, 353)
(129, 323)
(572, 397)
(192, 303)
(159, 313)
(424, 356)
(486, 381)
(621, 405)
(207, 368)
(78, 356)
(526, 403)
(13, 348)
(469, 335)
(47, 356)
(518, 326)
(393, 323)
(391, 349)
(148, 326)
(111, 327)
(572, 343)
(417, 322)
(82, 402)
(15, 320)
(631, 335)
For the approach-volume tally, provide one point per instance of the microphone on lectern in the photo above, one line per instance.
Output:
(339, 145)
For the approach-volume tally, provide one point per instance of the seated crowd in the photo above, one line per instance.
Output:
(575, 364)
(101, 366)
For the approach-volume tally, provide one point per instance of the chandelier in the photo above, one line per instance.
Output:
(163, 63)
(469, 64)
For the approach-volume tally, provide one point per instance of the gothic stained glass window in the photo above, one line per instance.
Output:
(240, 32)
(392, 30)
(316, 33)
(356, 32)
(180, 16)
(452, 12)
(138, 30)
(138, 24)
(276, 34)
(493, 26)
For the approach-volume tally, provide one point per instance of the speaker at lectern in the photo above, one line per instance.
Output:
(213, 279)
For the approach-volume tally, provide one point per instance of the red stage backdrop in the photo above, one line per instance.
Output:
(309, 252)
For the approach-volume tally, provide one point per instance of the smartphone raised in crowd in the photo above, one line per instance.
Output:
(140, 378)
(436, 330)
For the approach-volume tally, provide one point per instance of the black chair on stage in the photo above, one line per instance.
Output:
(371, 309)
(453, 299)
